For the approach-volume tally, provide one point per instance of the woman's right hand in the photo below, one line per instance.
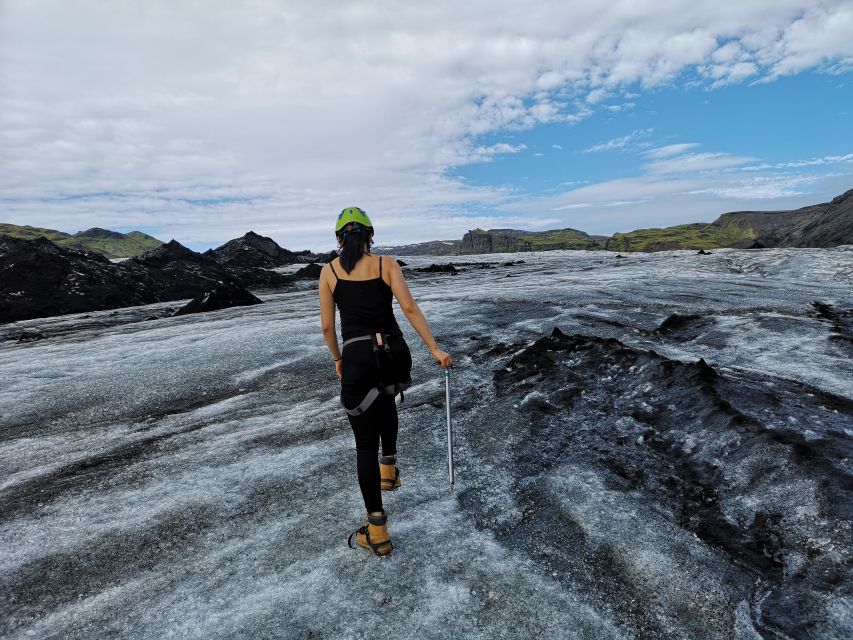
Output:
(444, 359)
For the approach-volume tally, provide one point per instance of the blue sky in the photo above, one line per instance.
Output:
(436, 118)
(795, 120)
(797, 117)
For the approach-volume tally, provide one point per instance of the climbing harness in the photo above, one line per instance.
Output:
(382, 356)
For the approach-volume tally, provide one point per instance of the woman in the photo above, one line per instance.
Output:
(361, 285)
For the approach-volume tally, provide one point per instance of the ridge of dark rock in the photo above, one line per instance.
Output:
(222, 296)
(716, 453)
(254, 250)
(39, 278)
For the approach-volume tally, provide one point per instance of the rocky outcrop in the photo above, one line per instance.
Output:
(438, 268)
(222, 296)
(253, 250)
(821, 225)
(322, 258)
(510, 240)
(39, 278)
(310, 272)
(172, 272)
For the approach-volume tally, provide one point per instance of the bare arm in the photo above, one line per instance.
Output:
(327, 317)
(413, 312)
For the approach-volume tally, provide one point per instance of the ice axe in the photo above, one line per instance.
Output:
(449, 430)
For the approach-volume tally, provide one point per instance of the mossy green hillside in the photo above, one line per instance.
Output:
(27, 232)
(109, 243)
(697, 235)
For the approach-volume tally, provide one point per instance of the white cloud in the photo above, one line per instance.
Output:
(556, 146)
(817, 161)
(623, 142)
(201, 120)
(487, 154)
(616, 108)
(696, 162)
(670, 150)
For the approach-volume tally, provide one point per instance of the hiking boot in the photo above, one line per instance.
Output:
(373, 535)
(389, 474)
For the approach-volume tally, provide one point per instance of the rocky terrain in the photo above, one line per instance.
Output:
(112, 244)
(222, 296)
(821, 225)
(652, 446)
(39, 278)
(253, 250)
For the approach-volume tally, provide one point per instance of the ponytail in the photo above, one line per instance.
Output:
(356, 243)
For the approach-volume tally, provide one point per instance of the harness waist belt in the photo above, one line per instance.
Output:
(356, 339)
(390, 389)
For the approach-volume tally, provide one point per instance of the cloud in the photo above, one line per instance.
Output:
(616, 108)
(817, 161)
(200, 121)
(556, 146)
(624, 142)
(696, 162)
(487, 154)
(670, 150)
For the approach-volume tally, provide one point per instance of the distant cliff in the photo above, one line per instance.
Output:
(500, 241)
(431, 248)
(510, 240)
(821, 225)
(111, 244)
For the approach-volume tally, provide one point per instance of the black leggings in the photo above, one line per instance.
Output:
(379, 422)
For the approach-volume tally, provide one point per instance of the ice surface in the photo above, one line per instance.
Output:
(195, 476)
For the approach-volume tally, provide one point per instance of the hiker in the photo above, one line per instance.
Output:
(361, 285)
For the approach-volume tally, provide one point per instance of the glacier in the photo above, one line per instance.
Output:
(673, 462)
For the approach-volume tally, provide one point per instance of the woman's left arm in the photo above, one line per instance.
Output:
(327, 318)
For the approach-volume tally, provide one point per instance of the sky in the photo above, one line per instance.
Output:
(202, 120)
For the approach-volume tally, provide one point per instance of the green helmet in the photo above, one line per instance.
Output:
(352, 214)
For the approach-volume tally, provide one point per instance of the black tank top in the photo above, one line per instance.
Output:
(365, 306)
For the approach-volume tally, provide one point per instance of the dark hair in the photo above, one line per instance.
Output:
(357, 240)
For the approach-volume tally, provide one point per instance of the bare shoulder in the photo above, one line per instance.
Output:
(390, 261)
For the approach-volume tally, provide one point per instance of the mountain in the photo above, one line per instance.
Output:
(109, 243)
(254, 250)
(821, 225)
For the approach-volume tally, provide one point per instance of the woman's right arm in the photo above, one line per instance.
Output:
(413, 312)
